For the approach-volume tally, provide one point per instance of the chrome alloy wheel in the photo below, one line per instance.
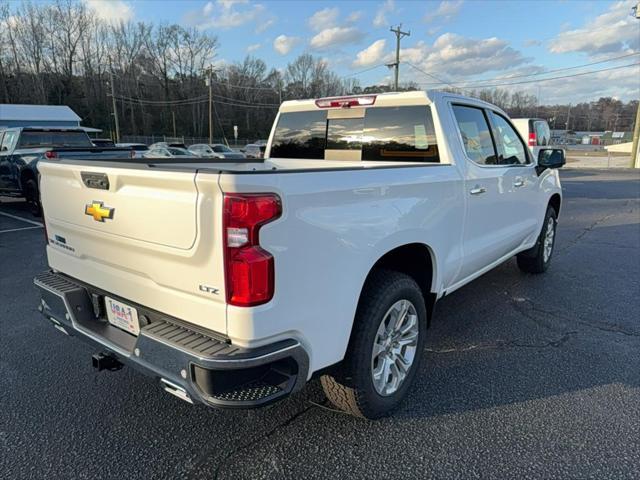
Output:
(548, 240)
(394, 347)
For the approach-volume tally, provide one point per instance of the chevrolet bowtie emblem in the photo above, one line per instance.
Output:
(98, 211)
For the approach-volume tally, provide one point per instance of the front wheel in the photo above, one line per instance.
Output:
(385, 348)
(538, 258)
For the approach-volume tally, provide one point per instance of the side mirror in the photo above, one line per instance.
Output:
(4, 149)
(551, 158)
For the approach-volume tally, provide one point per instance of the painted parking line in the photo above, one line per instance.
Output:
(20, 229)
(15, 217)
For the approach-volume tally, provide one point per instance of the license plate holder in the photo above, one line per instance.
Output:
(123, 316)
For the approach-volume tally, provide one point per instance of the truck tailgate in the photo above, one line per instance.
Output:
(149, 206)
(149, 237)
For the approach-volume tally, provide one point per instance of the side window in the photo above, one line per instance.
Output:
(511, 149)
(402, 134)
(8, 140)
(476, 135)
(1, 135)
(543, 134)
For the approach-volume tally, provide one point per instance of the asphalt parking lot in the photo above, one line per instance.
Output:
(524, 376)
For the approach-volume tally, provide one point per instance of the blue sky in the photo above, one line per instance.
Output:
(458, 41)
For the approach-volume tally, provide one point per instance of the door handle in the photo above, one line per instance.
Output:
(518, 183)
(477, 190)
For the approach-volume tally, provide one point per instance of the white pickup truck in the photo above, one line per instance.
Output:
(234, 284)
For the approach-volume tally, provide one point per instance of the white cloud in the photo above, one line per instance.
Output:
(622, 84)
(264, 26)
(445, 11)
(613, 31)
(457, 59)
(223, 14)
(114, 11)
(283, 44)
(532, 43)
(323, 19)
(228, 4)
(254, 47)
(457, 55)
(371, 55)
(335, 36)
(354, 16)
(208, 8)
(380, 20)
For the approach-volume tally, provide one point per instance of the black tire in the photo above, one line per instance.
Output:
(533, 260)
(351, 387)
(33, 197)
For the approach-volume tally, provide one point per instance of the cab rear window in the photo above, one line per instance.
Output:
(403, 134)
(300, 135)
(33, 139)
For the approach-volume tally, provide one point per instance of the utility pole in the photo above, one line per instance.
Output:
(399, 35)
(635, 146)
(173, 115)
(113, 102)
(566, 127)
(210, 83)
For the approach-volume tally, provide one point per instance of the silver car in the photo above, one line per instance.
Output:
(216, 150)
(167, 152)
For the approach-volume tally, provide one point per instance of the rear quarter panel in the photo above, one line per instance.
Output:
(335, 225)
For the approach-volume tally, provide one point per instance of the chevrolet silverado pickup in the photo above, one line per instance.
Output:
(21, 149)
(233, 284)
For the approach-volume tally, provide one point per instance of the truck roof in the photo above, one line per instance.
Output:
(387, 99)
(45, 128)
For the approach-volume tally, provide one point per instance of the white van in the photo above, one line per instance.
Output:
(534, 131)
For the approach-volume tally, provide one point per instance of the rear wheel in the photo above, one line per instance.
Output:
(385, 347)
(33, 197)
(538, 258)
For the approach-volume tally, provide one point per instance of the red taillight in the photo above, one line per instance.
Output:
(249, 269)
(532, 139)
(346, 102)
(50, 155)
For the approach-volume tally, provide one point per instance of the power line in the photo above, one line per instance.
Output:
(537, 80)
(364, 71)
(559, 77)
(161, 102)
(431, 75)
(246, 87)
(133, 101)
(259, 105)
(606, 60)
(189, 101)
